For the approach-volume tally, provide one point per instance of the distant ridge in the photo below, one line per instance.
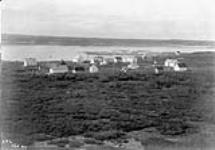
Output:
(17, 39)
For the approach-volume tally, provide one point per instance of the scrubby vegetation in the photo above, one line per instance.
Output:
(103, 105)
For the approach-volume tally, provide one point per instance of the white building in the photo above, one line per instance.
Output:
(59, 69)
(170, 62)
(133, 66)
(93, 69)
(175, 64)
(129, 59)
(180, 67)
(30, 62)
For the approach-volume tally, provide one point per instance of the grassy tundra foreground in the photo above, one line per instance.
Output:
(109, 106)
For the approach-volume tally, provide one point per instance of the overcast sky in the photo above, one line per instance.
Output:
(157, 19)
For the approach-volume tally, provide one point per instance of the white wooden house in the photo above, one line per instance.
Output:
(58, 69)
(133, 66)
(129, 59)
(30, 62)
(175, 64)
(170, 62)
(93, 69)
(180, 67)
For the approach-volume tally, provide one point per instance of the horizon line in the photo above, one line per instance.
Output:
(65, 36)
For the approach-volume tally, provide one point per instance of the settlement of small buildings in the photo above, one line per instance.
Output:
(87, 63)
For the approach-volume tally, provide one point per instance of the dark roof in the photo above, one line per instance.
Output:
(182, 65)
(79, 68)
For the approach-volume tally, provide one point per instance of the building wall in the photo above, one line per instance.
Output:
(58, 70)
(93, 69)
(30, 62)
(177, 68)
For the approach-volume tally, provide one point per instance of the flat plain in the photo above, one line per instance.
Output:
(171, 110)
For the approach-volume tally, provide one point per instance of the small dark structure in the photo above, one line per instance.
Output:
(78, 69)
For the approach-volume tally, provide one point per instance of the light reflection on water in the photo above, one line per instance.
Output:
(43, 52)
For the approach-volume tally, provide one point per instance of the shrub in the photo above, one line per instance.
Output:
(106, 135)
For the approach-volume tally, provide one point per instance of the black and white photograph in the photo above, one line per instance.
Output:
(107, 75)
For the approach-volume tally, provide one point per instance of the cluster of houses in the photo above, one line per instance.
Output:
(175, 64)
(31, 65)
(170, 65)
(83, 63)
(80, 63)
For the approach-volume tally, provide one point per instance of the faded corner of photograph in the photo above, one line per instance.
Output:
(107, 75)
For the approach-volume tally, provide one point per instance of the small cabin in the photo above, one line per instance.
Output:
(30, 62)
(93, 69)
(59, 69)
(175, 64)
(129, 59)
(180, 67)
(170, 62)
(78, 69)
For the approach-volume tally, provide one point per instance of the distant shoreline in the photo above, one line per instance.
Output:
(17, 39)
(159, 53)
